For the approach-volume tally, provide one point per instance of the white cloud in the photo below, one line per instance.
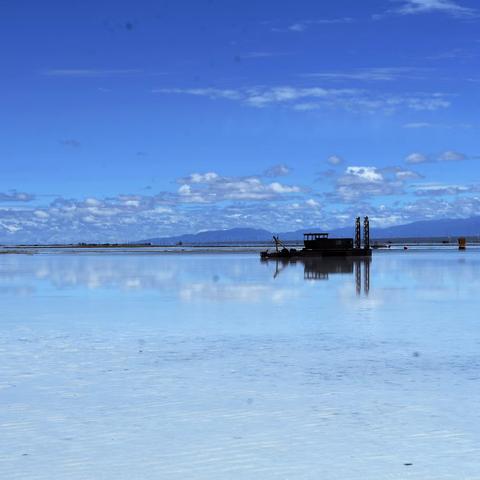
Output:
(257, 54)
(209, 200)
(166, 214)
(276, 171)
(447, 156)
(279, 188)
(334, 160)
(132, 203)
(368, 74)
(211, 187)
(41, 214)
(438, 189)
(369, 174)
(185, 190)
(14, 196)
(297, 27)
(306, 106)
(208, 177)
(316, 97)
(312, 203)
(303, 25)
(212, 93)
(413, 7)
(92, 202)
(417, 125)
(415, 158)
(406, 174)
(360, 182)
(451, 155)
(89, 73)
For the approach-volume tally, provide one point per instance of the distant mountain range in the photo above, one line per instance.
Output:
(427, 228)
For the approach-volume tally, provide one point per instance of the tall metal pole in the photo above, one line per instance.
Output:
(366, 233)
(357, 233)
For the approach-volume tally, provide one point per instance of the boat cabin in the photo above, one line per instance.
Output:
(320, 241)
(314, 236)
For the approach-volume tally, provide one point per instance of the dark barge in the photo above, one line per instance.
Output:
(320, 245)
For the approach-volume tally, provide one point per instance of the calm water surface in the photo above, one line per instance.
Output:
(218, 366)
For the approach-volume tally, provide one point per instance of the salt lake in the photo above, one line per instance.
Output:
(138, 365)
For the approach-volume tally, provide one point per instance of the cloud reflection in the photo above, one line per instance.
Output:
(189, 277)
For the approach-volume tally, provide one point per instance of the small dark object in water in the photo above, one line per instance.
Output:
(405, 247)
(408, 464)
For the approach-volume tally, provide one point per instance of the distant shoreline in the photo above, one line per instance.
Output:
(381, 242)
(220, 247)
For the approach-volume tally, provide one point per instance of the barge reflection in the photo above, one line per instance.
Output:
(321, 268)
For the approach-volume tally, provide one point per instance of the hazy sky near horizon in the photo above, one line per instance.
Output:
(125, 120)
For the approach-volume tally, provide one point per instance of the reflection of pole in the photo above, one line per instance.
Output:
(366, 277)
(358, 278)
(366, 233)
(357, 233)
(277, 271)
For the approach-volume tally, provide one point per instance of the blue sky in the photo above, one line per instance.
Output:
(125, 120)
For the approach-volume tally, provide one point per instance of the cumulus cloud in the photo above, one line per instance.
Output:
(364, 182)
(134, 217)
(451, 156)
(277, 171)
(14, 196)
(211, 187)
(368, 174)
(447, 156)
(424, 208)
(415, 158)
(127, 218)
(406, 174)
(334, 160)
(312, 203)
(359, 182)
(430, 208)
(41, 214)
(208, 177)
(209, 200)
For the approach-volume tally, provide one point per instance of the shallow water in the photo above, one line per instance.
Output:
(220, 366)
